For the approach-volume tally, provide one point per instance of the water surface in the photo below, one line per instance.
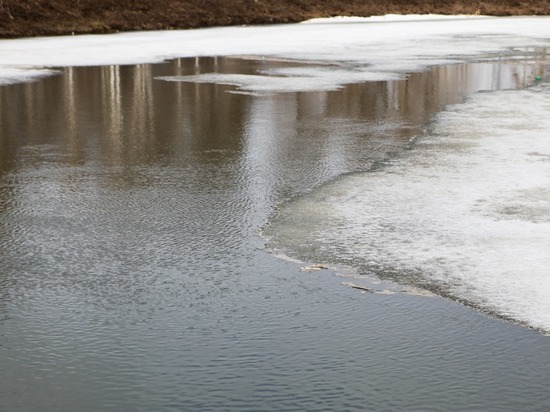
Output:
(133, 275)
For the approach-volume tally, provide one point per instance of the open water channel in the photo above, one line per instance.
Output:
(133, 273)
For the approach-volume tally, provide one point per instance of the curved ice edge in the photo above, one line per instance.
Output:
(371, 283)
(495, 141)
(352, 277)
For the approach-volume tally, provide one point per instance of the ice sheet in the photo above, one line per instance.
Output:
(402, 46)
(465, 212)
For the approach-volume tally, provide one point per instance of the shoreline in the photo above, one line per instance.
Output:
(65, 17)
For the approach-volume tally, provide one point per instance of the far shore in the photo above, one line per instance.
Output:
(64, 17)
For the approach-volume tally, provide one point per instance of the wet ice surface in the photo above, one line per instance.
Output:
(464, 212)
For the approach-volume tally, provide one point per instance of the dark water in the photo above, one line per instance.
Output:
(133, 276)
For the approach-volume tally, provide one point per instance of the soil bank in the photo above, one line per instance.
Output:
(28, 18)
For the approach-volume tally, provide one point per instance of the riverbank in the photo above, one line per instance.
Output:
(60, 17)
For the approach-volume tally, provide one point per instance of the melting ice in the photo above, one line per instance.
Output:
(465, 212)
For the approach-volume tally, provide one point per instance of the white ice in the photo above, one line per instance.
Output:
(467, 210)
(380, 45)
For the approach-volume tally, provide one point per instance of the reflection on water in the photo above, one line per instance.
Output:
(131, 265)
(136, 119)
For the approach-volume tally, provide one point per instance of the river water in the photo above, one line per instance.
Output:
(134, 274)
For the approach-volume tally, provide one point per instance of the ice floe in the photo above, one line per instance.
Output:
(465, 212)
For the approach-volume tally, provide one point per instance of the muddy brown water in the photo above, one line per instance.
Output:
(133, 275)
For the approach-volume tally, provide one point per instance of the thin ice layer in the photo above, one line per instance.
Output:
(466, 211)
